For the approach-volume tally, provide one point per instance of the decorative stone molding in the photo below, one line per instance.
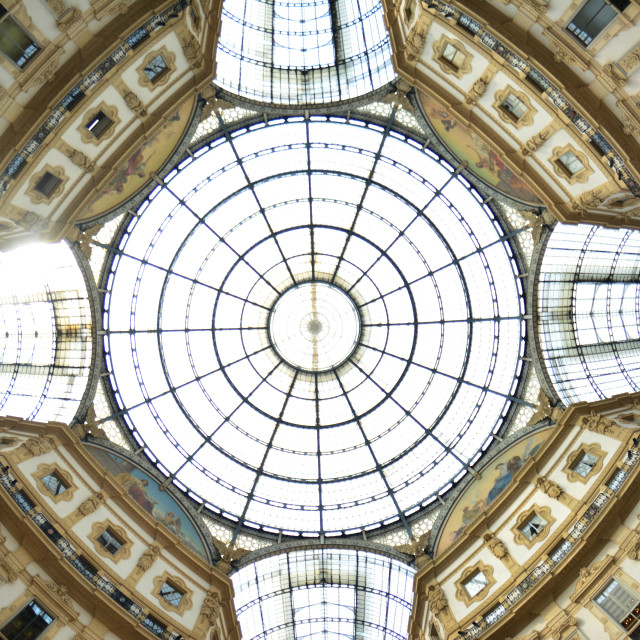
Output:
(192, 50)
(98, 528)
(77, 157)
(416, 38)
(66, 478)
(593, 449)
(90, 505)
(544, 409)
(457, 70)
(211, 609)
(498, 100)
(605, 426)
(147, 559)
(133, 101)
(438, 604)
(186, 601)
(461, 592)
(7, 569)
(544, 513)
(477, 90)
(33, 447)
(630, 61)
(591, 575)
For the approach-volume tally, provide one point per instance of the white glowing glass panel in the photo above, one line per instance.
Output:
(315, 346)
(303, 51)
(45, 333)
(321, 593)
(589, 312)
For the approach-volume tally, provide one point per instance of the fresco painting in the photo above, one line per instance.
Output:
(483, 160)
(496, 477)
(148, 158)
(147, 493)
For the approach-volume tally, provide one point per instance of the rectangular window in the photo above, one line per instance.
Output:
(453, 56)
(621, 604)
(53, 481)
(47, 184)
(584, 464)
(15, 42)
(28, 624)
(514, 106)
(171, 594)
(570, 163)
(475, 583)
(155, 68)
(99, 124)
(533, 526)
(110, 541)
(591, 19)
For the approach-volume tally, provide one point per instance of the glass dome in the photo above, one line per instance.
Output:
(314, 326)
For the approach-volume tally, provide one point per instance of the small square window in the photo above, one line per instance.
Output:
(533, 526)
(584, 464)
(514, 106)
(171, 594)
(571, 163)
(453, 55)
(475, 583)
(15, 43)
(54, 483)
(99, 124)
(155, 68)
(47, 184)
(110, 541)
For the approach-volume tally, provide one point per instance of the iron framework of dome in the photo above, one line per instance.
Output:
(314, 326)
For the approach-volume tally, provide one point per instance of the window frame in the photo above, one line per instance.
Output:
(45, 470)
(591, 38)
(186, 601)
(119, 533)
(593, 449)
(8, 16)
(43, 613)
(467, 575)
(525, 517)
(634, 613)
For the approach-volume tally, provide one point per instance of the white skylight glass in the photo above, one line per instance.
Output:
(45, 333)
(303, 51)
(303, 324)
(589, 311)
(324, 593)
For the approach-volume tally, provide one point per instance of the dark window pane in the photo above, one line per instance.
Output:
(28, 624)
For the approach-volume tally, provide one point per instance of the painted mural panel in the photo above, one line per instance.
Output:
(148, 158)
(494, 479)
(147, 493)
(483, 160)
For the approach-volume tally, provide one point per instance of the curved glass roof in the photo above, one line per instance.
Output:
(303, 51)
(324, 593)
(314, 326)
(589, 311)
(45, 333)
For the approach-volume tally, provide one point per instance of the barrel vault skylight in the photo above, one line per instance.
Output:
(314, 326)
(303, 51)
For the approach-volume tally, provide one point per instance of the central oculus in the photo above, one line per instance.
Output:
(314, 326)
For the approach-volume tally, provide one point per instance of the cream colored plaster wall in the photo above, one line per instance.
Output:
(42, 15)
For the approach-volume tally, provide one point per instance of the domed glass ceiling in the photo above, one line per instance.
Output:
(314, 325)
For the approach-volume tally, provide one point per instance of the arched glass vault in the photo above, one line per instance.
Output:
(45, 333)
(314, 326)
(296, 52)
(589, 312)
(324, 593)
